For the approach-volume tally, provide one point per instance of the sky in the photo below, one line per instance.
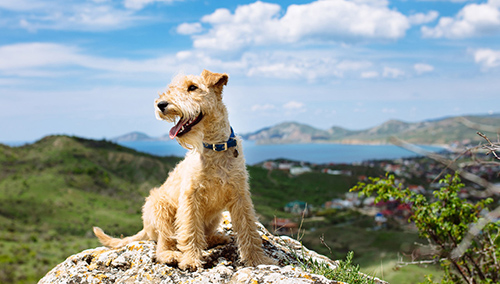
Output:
(94, 68)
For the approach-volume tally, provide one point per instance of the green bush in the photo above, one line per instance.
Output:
(446, 222)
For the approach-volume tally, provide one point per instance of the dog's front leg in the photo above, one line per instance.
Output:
(190, 235)
(244, 223)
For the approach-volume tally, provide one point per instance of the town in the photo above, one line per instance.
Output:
(420, 174)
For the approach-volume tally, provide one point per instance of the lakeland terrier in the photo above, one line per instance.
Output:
(183, 214)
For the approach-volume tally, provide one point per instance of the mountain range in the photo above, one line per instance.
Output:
(441, 131)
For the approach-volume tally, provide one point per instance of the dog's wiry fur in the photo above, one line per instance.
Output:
(182, 215)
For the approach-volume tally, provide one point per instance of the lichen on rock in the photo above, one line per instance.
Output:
(135, 263)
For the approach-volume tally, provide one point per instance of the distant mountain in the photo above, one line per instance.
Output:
(133, 136)
(438, 132)
(288, 132)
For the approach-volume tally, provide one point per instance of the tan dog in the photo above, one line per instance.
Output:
(183, 214)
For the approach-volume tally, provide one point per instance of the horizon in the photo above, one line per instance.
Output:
(22, 142)
(93, 68)
(349, 129)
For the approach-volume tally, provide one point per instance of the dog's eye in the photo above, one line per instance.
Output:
(192, 88)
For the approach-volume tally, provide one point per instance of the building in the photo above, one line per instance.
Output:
(298, 207)
(283, 226)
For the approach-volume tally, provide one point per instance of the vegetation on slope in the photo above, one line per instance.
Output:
(271, 191)
(445, 221)
(53, 191)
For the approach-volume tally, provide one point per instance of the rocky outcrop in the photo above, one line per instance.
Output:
(135, 263)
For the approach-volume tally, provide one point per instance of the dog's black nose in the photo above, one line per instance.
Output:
(162, 106)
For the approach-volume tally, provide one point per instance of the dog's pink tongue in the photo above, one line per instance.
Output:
(175, 130)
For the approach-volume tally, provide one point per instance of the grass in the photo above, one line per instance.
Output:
(346, 271)
(377, 252)
(53, 191)
(411, 274)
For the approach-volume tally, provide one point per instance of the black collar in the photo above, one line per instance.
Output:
(220, 147)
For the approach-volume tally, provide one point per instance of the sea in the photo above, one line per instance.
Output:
(312, 153)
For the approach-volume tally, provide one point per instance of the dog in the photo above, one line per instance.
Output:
(183, 214)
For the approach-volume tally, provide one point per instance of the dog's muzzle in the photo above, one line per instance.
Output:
(162, 106)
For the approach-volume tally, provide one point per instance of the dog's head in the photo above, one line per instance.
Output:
(189, 100)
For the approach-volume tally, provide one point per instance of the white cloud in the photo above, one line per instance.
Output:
(29, 55)
(421, 18)
(250, 24)
(50, 59)
(347, 65)
(471, 20)
(293, 105)
(263, 107)
(344, 19)
(321, 21)
(10, 82)
(487, 58)
(39, 59)
(277, 70)
(310, 66)
(66, 15)
(35, 59)
(393, 73)
(422, 68)
(369, 74)
(389, 110)
(381, 3)
(189, 28)
(21, 5)
(139, 4)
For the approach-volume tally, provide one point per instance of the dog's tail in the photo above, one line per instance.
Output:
(116, 242)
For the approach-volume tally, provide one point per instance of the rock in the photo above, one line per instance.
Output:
(135, 263)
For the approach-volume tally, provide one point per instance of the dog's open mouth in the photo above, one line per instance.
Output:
(184, 126)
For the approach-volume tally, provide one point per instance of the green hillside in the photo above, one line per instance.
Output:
(53, 191)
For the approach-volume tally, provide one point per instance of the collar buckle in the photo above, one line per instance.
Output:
(222, 147)
(214, 147)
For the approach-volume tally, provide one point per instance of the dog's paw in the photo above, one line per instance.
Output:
(169, 257)
(188, 263)
(258, 259)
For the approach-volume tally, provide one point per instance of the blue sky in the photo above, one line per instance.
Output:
(93, 68)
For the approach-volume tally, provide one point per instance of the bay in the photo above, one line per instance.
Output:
(313, 153)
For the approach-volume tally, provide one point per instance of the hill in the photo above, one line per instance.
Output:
(432, 132)
(133, 136)
(53, 191)
(139, 136)
(288, 132)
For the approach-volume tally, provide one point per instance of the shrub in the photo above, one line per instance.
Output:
(345, 272)
(445, 222)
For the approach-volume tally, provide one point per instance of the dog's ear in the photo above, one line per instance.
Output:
(215, 80)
